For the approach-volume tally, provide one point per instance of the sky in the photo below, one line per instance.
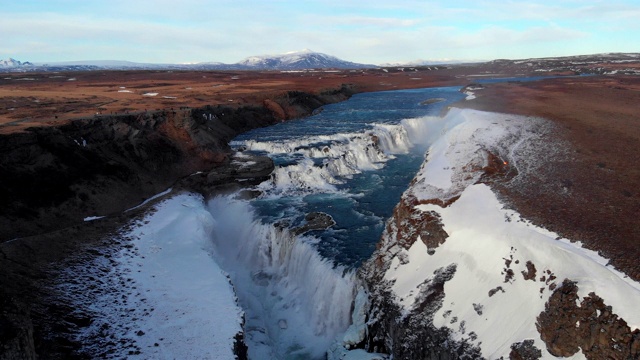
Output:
(365, 31)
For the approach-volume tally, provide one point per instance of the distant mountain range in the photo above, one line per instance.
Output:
(307, 59)
(11, 62)
(299, 60)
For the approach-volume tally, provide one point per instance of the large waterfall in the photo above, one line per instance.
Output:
(296, 302)
(296, 289)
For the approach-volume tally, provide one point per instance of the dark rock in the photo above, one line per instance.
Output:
(16, 331)
(315, 221)
(566, 327)
(495, 290)
(412, 335)
(530, 273)
(240, 347)
(411, 223)
(525, 350)
(432, 101)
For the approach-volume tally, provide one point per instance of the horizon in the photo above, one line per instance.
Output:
(415, 62)
(226, 31)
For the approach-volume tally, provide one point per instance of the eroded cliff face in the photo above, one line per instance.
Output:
(51, 178)
(457, 274)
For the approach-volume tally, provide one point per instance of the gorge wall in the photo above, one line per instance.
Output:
(458, 274)
(53, 177)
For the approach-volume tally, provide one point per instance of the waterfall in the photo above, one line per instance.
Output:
(296, 302)
(320, 163)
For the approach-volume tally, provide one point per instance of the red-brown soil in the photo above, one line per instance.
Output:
(50, 98)
(593, 195)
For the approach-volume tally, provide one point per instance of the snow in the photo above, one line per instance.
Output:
(91, 218)
(483, 234)
(150, 94)
(470, 95)
(357, 330)
(150, 199)
(125, 91)
(355, 334)
(169, 269)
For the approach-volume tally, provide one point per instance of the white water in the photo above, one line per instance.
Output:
(328, 160)
(296, 302)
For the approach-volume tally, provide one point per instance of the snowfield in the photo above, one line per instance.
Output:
(488, 302)
(165, 297)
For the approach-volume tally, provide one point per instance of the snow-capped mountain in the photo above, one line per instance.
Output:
(305, 59)
(11, 62)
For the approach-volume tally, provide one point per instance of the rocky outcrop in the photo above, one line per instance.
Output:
(315, 221)
(412, 224)
(524, 350)
(390, 329)
(570, 324)
(412, 335)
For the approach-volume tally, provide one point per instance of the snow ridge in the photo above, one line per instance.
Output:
(506, 267)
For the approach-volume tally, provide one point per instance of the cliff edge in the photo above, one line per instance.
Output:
(460, 274)
(64, 188)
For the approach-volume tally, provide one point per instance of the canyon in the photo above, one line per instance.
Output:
(63, 170)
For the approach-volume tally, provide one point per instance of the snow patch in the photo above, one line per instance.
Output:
(150, 199)
(164, 296)
(91, 218)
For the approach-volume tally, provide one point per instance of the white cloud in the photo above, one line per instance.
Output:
(363, 31)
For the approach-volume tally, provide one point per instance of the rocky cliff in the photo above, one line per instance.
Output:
(52, 178)
(460, 275)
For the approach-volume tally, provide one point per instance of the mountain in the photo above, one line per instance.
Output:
(421, 62)
(103, 63)
(305, 59)
(11, 63)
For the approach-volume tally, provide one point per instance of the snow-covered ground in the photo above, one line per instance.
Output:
(488, 241)
(162, 296)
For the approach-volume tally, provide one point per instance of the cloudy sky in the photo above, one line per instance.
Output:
(367, 31)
